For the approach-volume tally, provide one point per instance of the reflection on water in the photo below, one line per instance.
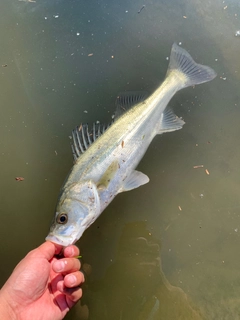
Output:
(135, 278)
(63, 63)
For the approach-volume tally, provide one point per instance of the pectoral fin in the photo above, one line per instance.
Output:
(134, 180)
(108, 175)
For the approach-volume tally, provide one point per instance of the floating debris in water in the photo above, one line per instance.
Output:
(56, 16)
(4, 65)
(167, 227)
(207, 172)
(201, 195)
(90, 54)
(19, 178)
(139, 11)
(31, 1)
(199, 166)
(237, 33)
(179, 208)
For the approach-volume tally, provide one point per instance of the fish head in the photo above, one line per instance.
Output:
(76, 210)
(67, 226)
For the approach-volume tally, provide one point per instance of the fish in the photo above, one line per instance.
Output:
(106, 157)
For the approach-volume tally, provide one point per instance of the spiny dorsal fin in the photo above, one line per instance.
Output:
(126, 100)
(83, 137)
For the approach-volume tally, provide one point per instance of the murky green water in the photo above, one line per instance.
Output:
(170, 249)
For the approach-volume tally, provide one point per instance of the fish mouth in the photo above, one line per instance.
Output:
(59, 240)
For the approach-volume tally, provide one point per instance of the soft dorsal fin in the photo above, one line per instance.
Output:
(83, 137)
(126, 100)
(169, 121)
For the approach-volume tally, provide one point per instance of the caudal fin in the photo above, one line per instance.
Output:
(192, 72)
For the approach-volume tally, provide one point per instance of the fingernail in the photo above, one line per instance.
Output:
(59, 266)
(71, 279)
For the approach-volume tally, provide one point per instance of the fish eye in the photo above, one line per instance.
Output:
(62, 218)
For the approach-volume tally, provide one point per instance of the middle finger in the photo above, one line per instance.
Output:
(66, 265)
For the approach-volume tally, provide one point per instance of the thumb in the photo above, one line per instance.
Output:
(49, 249)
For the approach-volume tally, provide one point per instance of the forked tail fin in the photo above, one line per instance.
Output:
(191, 73)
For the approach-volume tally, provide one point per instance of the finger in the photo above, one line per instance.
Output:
(73, 294)
(74, 279)
(66, 265)
(71, 251)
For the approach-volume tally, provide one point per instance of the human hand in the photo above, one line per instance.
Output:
(41, 286)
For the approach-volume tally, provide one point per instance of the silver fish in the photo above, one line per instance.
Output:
(106, 158)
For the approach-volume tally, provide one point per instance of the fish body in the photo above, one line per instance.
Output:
(106, 159)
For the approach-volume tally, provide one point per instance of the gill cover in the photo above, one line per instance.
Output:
(87, 195)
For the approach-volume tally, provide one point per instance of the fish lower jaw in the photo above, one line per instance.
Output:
(60, 241)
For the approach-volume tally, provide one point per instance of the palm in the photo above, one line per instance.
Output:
(44, 299)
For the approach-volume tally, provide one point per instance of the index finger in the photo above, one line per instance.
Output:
(71, 251)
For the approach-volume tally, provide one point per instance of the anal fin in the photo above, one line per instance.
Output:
(169, 121)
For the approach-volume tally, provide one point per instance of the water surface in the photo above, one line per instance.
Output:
(168, 250)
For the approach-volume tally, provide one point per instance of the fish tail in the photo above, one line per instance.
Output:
(190, 72)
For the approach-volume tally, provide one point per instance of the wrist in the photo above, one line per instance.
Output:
(6, 310)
